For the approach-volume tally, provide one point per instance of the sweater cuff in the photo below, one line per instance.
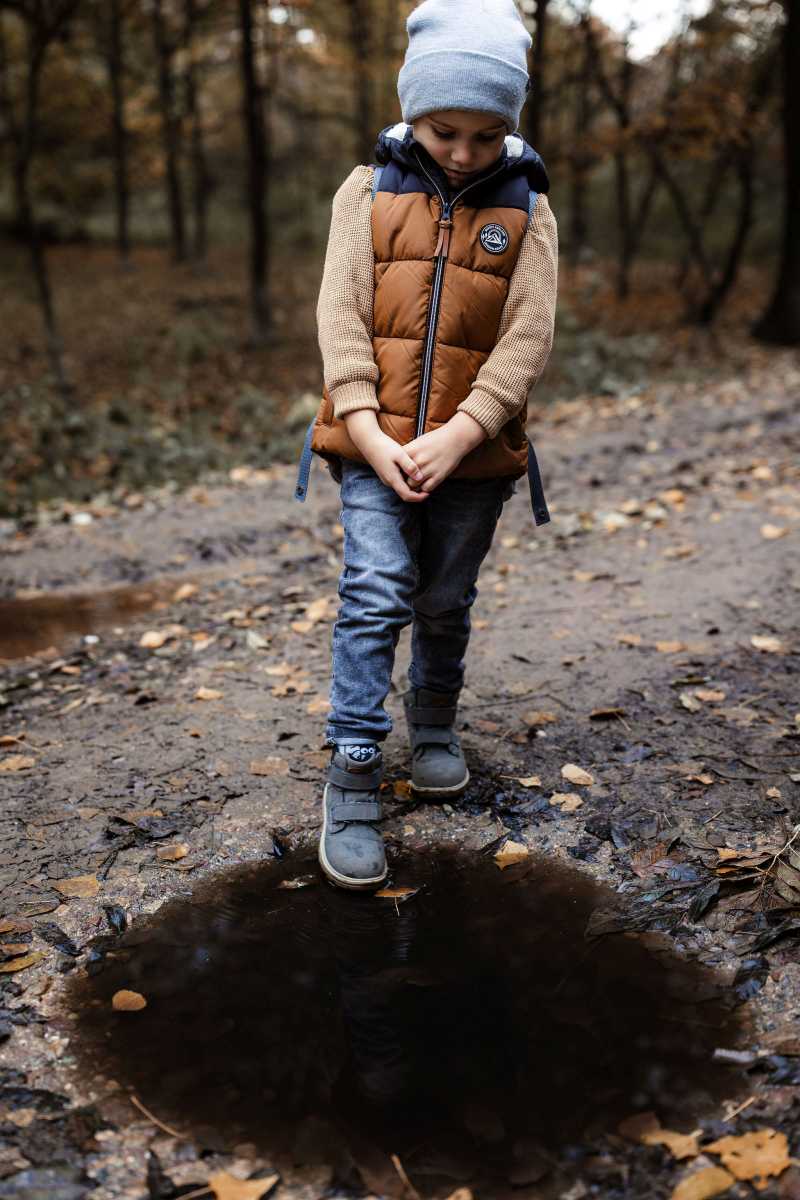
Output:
(484, 409)
(350, 396)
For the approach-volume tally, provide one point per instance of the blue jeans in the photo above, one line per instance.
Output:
(404, 563)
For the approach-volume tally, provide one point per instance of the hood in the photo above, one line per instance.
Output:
(397, 142)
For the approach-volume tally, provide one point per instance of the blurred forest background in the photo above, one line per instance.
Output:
(166, 175)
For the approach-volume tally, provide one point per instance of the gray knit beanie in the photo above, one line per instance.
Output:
(469, 54)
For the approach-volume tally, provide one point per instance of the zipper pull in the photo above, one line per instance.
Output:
(443, 244)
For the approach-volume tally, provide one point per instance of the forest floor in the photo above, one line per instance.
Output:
(163, 708)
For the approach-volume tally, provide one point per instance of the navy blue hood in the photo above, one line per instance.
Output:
(396, 143)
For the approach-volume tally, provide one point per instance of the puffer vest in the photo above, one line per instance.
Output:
(443, 262)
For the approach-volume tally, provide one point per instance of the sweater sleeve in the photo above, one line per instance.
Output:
(525, 334)
(344, 306)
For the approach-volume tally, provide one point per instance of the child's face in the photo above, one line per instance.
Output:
(462, 143)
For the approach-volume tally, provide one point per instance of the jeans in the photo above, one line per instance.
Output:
(405, 563)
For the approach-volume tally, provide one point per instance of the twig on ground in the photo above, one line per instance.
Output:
(172, 1132)
(407, 1184)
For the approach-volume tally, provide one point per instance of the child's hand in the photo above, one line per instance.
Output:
(388, 459)
(438, 453)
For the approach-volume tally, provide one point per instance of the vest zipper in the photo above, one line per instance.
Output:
(440, 254)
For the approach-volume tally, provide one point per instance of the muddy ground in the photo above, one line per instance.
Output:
(648, 635)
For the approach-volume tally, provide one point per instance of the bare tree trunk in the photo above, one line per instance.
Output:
(116, 66)
(23, 135)
(579, 160)
(171, 131)
(258, 156)
(708, 309)
(200, 175)
(534, 108)
(360, 24)
(780, 324)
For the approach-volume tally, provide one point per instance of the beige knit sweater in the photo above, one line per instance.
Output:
(344, 312)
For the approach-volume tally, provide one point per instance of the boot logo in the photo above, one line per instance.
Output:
(494, 238)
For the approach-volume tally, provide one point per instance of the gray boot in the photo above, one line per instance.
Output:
(438, 768)
(351, 849)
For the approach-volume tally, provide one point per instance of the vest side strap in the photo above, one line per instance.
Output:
(541, 514)
(301, 487)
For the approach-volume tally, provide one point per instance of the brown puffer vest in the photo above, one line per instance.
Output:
(442, 268)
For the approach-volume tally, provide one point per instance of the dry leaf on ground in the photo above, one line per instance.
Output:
(690, 702)
(172, 853)
(529, 781)
(17, 762)
(566, 801)
(273, 765)
(670, 647)
(184, 592)
(206, 693)
(396, 893)
(510, 853)
(771, 532)
(769, 645)
(577, 775)
(21, 964)
(630, 639)
(703, 1184)
(79, 887)
(539, 717)
(228, 1187)
(755, 1155)
(127, 1001)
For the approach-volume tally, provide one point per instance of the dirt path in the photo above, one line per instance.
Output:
(649, 635)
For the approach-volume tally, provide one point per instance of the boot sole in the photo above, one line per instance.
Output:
(420, 790)
(343, 881)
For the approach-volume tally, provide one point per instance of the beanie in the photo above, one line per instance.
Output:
(468, 54)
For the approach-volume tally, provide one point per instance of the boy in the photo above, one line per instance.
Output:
(435, 318)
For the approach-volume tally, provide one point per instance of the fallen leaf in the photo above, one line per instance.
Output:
(401, 789)
(706, 780)
(302, 626)
(14, 948)
(172, 853)
(566, 801)
(319, 704)
(577, 775)
(684, 551)
(703, 1184)
(274, 765)
(529, 781)
(9, 739)
(228, 1187)
(670, 647)
(17, 762)
(78, 887)
(773, 793)
(690, 702)
(205, 693)
(680, 1145)
(510, 853)
(22, 964)
(754, 1155)
(726, 852)
(396, 893)
(606, 714)
(539, 717)
(184, 592)
(771, 532)
(300, 881)
(127, 1001)
(769, 645)
(153, 639)
(630, 639)
(709, 695)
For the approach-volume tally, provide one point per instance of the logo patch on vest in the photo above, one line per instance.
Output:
(494, 238)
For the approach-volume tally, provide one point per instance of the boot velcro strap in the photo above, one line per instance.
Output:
(433, 737)
(352, 781)
(356, 810)
(431, 716)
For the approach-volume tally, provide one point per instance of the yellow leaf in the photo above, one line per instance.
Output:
(577, 775)
(79, 886)
(396, 893)
(754, 1155)
(510, 853)
(566, 801)
(401, 789)
(21, 964)
(539, 717)
(127, 1001)
(680, 1145)
(726, 852)
(530, 781)
(172, 853)
(274, 765)
(770, 645)
(702, 1185)
(206, 693)
(228, 1187)
(17, 762)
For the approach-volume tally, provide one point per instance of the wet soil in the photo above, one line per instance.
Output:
(649, 635)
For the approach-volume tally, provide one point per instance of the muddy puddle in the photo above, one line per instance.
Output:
(471, 1029)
